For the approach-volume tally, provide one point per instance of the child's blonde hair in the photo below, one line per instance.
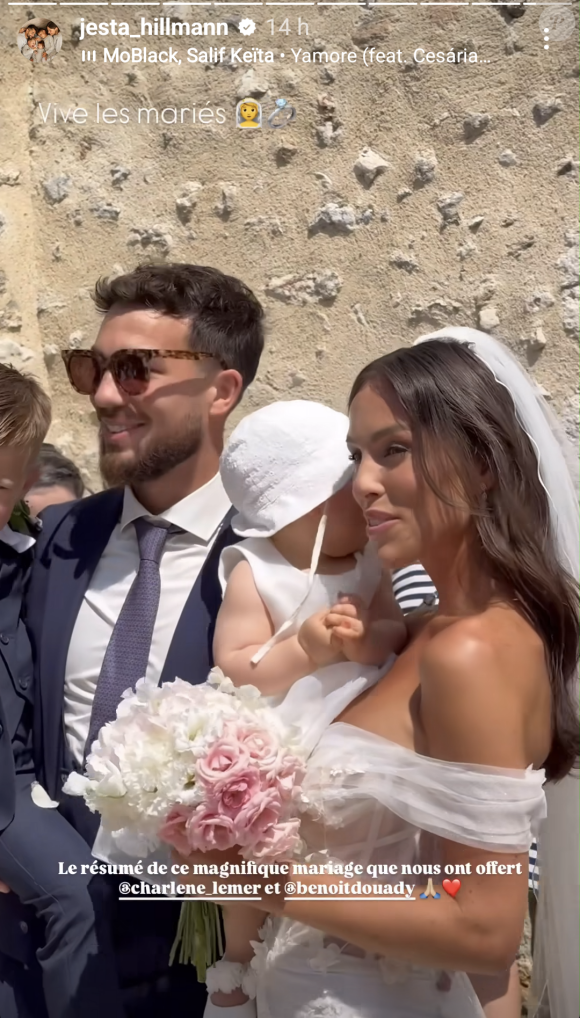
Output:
(25, 411)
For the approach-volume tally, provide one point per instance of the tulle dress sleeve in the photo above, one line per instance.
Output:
(353, 772)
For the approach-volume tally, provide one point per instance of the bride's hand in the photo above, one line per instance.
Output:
(268, 888)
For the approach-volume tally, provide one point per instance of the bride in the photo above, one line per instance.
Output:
(442, 763)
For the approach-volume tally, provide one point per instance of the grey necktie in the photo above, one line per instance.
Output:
(127, 654)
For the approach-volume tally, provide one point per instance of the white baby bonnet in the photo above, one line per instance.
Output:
(280, 463)
(283, 461)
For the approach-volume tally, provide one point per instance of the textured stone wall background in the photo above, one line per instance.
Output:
(464, 211)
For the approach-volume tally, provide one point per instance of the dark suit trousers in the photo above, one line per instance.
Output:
(143, 932)
(75, 954)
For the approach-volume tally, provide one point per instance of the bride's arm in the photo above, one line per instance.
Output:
(478, 932)
(473, 705)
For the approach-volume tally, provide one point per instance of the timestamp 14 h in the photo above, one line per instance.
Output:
(285, 27)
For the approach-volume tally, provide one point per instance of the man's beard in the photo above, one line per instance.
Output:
(153, 462)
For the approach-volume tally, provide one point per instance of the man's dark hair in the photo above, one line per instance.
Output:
(56, 469)
(227, 320)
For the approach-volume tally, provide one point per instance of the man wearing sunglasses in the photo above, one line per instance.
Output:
(125, 582)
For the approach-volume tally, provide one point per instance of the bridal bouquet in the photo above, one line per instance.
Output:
(198, 768)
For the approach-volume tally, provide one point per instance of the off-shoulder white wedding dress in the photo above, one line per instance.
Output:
(368, 800)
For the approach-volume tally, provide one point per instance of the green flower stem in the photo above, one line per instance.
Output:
(198, 937)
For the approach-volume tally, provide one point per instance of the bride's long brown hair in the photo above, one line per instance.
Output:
(457, 410)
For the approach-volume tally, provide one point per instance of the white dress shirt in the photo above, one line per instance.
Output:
(199, 516)
(20, 542)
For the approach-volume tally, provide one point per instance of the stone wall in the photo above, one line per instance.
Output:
(403, 197)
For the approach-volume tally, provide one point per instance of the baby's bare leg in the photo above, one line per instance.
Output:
(500, 995)
(241, 925)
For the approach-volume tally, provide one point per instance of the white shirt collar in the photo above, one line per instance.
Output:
(20, 542)
(199, 513)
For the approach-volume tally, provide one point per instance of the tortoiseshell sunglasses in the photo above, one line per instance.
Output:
(130, 369)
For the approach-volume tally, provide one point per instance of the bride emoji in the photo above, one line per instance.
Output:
(249, 113)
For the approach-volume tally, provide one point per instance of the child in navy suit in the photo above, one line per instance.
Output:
(78, 972)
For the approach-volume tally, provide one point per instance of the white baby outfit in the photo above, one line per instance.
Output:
(287, 591)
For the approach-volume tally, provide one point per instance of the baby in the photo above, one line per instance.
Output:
(304, 595)
(303, 591)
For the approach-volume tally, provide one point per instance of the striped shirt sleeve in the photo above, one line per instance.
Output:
(411, 586)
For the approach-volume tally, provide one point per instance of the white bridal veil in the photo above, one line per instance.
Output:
(555, 981)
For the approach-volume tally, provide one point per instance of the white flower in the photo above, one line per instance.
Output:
(326, 958)
(224, 975)
(262, 947)
(248, 693)
(229, 975)
(250, 982)
(217, 678)
(134, 844)
(75, 784)
(40, 797)
(144, 764)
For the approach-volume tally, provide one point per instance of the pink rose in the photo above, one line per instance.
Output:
(289, 776)
(174, 830)
(261, 746)
(278, 841)
(226, 759)
(207, 831)
(231, 796)
(261, 812)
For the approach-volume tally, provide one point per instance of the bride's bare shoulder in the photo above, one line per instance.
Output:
(496, 638)
(482, 680)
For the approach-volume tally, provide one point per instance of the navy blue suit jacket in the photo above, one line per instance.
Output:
(15, 669)
(16, 689)
(67, 552)
(69, 548)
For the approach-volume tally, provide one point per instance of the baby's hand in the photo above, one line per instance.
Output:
(315, 638)
(348, 623)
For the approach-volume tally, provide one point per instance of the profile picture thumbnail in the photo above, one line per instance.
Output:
(39, 41)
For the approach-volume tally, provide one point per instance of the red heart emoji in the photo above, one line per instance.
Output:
(452, 886)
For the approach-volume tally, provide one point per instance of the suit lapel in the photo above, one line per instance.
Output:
(190, 653)
(14, 567)
(75, 551)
